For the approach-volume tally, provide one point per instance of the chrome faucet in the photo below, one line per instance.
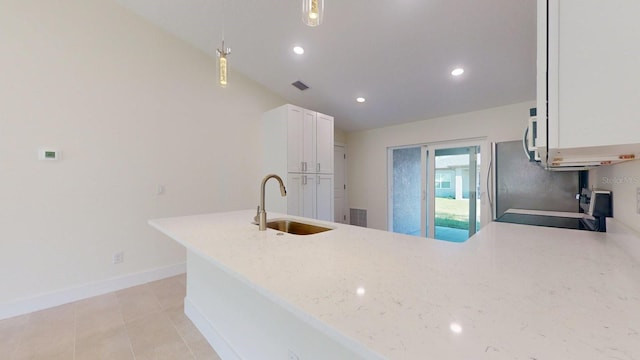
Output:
(261, 216)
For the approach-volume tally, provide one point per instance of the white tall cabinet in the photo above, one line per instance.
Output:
(298, 146)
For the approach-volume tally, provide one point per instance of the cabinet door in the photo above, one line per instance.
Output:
(301, 195)
(593, 73)
(324, 197)
(324, 144)
(295, 133)
(294, 194)
(309, 196)
(309, 141)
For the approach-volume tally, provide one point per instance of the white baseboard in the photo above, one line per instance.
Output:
(69, 295)
(217, 342)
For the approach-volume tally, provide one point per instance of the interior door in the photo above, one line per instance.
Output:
(340, 185)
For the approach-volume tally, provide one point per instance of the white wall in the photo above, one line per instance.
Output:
(339, 136)
(367, 171)
(624, 182)
(130, 107)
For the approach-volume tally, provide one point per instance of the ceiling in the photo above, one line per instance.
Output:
(398, 54)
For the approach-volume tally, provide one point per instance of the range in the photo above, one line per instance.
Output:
(525, 193)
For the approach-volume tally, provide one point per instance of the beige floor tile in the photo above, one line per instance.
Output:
(49, 344)
(98, 322)
(57, 316)
(197, 343)
(112, 344)
(170, 292)
(153, 333)
(191, 335)
(203, 351)
(14, 322)
(183, 279)
(49, 334)
(178, 318)
(11, 331)
(137, 302)
(168, 351)
(96, 304)
(143, 322)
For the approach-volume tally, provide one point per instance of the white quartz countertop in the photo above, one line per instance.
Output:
(510, 292)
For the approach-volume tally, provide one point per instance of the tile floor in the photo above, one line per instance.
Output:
(142, 322)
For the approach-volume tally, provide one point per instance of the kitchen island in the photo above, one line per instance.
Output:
(509, 292)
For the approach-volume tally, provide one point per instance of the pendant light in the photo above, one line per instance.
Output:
(312, 11)
(223, 66)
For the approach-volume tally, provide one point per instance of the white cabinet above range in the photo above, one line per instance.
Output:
(588, 82)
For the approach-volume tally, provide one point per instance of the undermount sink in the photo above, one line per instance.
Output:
(295, 227)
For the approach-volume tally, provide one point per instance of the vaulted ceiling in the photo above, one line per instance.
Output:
(398, 54)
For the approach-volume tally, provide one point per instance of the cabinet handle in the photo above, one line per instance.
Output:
(301, 165)
(318, 167)
(318, 180)
(304, 179)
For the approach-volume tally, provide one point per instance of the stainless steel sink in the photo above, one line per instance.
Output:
(295, 227)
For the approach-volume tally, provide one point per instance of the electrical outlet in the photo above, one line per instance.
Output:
(118, 258)
(292, 356)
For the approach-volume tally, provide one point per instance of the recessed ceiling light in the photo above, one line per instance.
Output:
(455, 328)
(298, 50)
(361, 99)
(457, 71)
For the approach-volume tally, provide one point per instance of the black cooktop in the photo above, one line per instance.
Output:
(543, 220)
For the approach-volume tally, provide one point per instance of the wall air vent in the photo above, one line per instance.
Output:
(300, 85)
(358, 217)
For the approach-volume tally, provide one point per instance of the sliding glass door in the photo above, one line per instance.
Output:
(435, 190)
(456, 184)
(407, 190)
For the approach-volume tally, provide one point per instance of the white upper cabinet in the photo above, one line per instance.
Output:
(324, 144)
(309, 149)
(305, 137)
(294, 127)
(588, 81)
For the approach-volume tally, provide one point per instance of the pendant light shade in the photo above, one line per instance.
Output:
(312, 11)
(223, 65)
